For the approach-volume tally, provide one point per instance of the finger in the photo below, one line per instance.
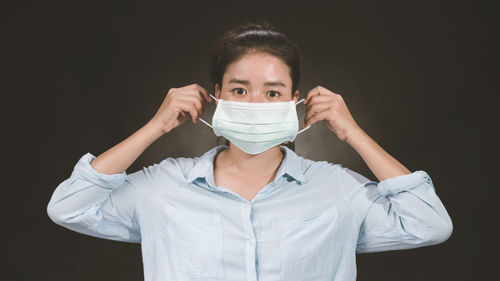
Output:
(199, 104)
(315, 108)
(183, 116)
(194, 113)
(197, 101)
(313, 92)
(318, 90)
(203, 92)
(316, 117)
(320, 99)
(198, 107)
(189, 106)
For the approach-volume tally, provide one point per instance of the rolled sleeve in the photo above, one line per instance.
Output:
(83, 170)
(401, 183)
(98, 204)
(397, 213)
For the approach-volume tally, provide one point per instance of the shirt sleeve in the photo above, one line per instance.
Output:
(397, 213)
(100, 205)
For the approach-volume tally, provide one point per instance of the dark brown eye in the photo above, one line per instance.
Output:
(273, 94)
(239, 91)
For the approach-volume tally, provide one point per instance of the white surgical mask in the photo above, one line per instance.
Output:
(255, 127)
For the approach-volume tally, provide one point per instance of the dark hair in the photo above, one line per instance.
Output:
(254, 36)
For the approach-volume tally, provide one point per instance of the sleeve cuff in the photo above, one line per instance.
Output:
(85, 171)
(401, 183)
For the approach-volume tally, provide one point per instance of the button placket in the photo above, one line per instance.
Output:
(250, 258)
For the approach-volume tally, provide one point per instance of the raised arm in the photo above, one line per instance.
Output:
(397, 213)
(99, 204)
(403, 210)
(99, 198)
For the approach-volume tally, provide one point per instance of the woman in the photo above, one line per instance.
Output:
(251, 209)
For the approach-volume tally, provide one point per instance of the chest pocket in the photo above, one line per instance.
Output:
(196, 240)
(309, 249)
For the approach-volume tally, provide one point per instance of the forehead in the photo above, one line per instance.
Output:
(258, 68)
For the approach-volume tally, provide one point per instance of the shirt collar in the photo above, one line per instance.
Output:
(203, 168)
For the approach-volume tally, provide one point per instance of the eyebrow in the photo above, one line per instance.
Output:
(246, 82)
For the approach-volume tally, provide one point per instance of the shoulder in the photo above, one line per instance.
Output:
(321, 166)
(173, 166)
(318, 169)
(183, 166)
(331, 170)
(169, 166)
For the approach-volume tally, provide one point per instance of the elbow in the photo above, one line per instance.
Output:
(440, 233)
(53, 214)
(56, 214)
(446, 231)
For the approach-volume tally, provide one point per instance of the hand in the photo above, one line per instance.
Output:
(325, 105)
(177, 104)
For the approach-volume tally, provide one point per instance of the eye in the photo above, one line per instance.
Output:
(239, 91)
(274, 94)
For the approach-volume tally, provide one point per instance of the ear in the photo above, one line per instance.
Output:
(296, 96)
(217, 91)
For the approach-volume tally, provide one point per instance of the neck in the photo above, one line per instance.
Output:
(262, 164)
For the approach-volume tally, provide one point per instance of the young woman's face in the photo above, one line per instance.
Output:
(256, 77)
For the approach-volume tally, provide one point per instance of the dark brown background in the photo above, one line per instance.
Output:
(81, 77)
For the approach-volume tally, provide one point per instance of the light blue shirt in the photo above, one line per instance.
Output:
(307, 224)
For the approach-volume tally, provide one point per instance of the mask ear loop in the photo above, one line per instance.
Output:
(305, 127)
(204, 120)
